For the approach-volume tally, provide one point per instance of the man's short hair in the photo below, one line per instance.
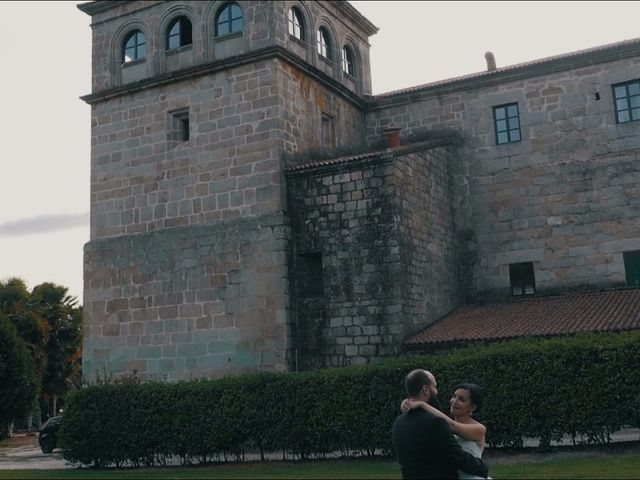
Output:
(415, 380)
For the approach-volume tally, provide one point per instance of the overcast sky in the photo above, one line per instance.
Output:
(45, 60)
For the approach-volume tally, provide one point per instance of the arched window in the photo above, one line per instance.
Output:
(179, 33)
(348, 61)
(134, 47)
(229, 19)
(324, 43)
(296, 23)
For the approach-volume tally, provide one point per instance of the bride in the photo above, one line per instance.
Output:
(469, 433)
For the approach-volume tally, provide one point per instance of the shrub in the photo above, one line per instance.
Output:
(583, 385)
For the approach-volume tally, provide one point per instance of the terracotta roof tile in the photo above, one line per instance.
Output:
(336, 160)
(394, 151)
(612, 310)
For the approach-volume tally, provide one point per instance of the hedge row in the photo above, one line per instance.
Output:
(585, 385)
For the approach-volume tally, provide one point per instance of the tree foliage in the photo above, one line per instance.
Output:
(63, 320)
(49, 322)
(18, 380)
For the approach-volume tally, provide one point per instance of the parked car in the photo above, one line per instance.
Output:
(48, 436)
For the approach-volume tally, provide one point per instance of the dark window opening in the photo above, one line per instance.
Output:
(627, 101)
(522, 279)
(134, 47)
(632, 268)
(184, 128)
(506, 119)
(310, 275)
(229, 20)
(179, 128)
(179, 33)
(296, 23)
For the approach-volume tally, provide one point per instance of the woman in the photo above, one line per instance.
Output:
(465, 402)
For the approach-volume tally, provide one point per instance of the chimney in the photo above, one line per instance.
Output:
(393, 137)
(491, 61)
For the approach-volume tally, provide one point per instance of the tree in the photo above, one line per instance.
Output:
(63, 318)
(49, 322)
(18, 379)
(62, 372)
(15, 304)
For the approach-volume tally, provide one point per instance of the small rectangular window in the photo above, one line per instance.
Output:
(627, 101)
(522, 279)
(328, 132)
(310, 283)
(506, 120)
(179, 128)
(632, 268)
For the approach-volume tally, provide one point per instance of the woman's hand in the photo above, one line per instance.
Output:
(407, 404)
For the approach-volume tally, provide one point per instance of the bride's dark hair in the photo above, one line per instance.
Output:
(475, 394)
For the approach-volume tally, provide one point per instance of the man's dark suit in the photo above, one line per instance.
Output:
(427, 449)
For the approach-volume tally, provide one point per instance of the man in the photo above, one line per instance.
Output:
(424, 442)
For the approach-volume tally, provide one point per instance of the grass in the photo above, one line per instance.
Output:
(611, 466)
(614, 467)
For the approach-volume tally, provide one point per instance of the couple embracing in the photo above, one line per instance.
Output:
(424, 439)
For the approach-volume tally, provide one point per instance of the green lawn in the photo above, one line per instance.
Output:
(623, 465)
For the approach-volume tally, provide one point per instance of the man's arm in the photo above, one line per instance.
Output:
(453, 452)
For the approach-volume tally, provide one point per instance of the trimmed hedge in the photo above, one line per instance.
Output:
(584, 385)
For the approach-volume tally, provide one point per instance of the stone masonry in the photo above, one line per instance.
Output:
(284, 234)
(565, 198)
(186, 273)
(388, 262)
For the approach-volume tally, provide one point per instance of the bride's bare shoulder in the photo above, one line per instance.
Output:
(478, 425)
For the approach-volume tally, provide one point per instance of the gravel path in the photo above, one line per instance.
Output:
(23, 452)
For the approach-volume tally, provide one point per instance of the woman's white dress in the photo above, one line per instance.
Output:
(474, 449)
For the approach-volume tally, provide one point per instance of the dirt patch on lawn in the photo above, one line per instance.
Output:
(20, 440)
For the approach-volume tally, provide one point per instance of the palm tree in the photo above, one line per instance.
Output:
(62, 372)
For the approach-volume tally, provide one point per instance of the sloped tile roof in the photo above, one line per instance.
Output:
(613, 310)
(336, 160)
(437, 141)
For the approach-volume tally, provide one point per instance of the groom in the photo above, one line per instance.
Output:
(424, 442)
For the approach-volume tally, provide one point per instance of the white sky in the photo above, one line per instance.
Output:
(45, 66)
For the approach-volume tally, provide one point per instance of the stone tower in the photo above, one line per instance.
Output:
(196, 106)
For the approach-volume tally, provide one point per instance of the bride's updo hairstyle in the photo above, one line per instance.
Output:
(475, 395)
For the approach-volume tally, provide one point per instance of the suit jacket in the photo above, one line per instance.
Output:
(426, 448)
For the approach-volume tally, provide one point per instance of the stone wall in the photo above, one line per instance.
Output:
(564, 198)
(307, 105)
(427, 240)
(200, 301)
(151, 190)
(382, 225)
(346, 215)
(143, 179)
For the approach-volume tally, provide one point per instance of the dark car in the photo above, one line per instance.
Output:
(48, 436)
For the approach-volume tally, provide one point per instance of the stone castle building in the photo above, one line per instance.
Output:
(254, 206)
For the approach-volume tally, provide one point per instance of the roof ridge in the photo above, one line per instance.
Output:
(507, 68)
